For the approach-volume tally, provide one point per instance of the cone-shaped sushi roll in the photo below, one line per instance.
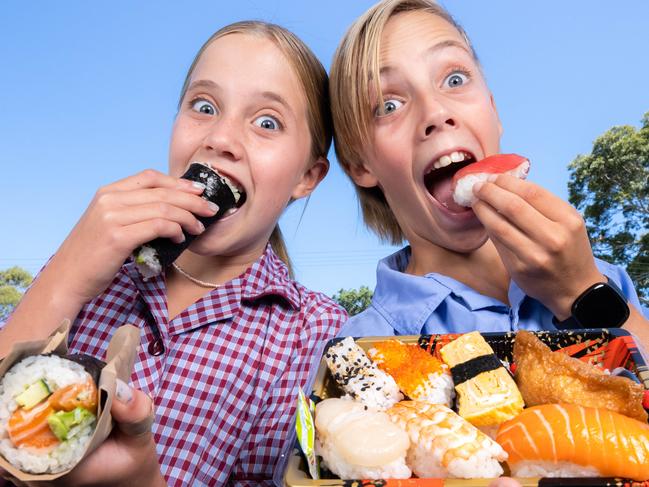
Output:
(443, 445)
(356, 443)
(48, 408)
(565, 440)
(359, 377)
(486, 170)
(417, 373)
(486, 393)
(154, 256)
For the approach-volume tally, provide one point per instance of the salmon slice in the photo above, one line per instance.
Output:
(83, 394)
(30, 428)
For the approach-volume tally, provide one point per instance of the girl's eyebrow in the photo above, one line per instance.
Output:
(203, 83)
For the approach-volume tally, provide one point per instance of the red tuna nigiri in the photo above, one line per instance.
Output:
(485, 170)
(566, 440)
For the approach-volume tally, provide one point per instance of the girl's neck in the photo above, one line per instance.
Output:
(482, 269)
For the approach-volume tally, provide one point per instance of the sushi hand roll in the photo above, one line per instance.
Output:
(356, 443)
(443, 445)
(486, 393)
(359, 377)
(417, 373)
(486, 169)
(565, 440)
(48, 410)
(154, 256)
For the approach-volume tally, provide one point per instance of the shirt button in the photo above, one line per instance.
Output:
(156, 347)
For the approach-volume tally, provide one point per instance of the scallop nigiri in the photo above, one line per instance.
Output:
(486, 169)
(565, 440)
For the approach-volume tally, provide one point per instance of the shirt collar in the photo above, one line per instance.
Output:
(406, 301)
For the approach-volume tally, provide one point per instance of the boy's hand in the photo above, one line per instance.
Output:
(541, 239)
(128, 455)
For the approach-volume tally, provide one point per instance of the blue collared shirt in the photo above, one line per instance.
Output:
(404, 304)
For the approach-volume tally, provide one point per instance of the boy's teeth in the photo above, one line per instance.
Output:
(449, 159)
(457, 156)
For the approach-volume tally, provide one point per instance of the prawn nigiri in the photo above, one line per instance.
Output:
(566, 440)
(486, 170)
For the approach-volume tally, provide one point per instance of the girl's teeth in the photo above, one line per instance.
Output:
(444, 161)
(457, 156)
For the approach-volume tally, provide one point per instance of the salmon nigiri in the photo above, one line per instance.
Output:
(486, 170)
(566, 440)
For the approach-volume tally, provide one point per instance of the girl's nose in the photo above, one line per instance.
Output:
(224, 138)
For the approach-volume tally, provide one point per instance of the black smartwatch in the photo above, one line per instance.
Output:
(602, 305)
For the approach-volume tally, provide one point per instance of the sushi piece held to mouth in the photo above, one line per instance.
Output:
(486, 169)
(152, 257)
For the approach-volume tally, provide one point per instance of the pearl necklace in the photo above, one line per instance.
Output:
(192, 278)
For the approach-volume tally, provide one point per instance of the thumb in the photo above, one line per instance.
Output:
(133, 411)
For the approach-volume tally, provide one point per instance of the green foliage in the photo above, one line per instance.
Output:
(610, 186)
(13, 282)
(354, 300)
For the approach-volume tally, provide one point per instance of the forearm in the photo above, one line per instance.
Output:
(41, 310)
(639, 326)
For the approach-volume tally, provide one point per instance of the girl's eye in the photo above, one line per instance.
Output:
(389, 106)
(456, 79)
(203, 106)
(267, 122)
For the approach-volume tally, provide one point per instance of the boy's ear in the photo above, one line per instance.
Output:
(311, 178)
(493, 104)
(362, 176)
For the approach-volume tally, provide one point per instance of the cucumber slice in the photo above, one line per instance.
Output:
(33, 395)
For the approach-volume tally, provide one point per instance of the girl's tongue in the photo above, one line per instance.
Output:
(440, 189)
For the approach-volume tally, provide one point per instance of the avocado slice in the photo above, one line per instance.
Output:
(66, 424)
(33, 395)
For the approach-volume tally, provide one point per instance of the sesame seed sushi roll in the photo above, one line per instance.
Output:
(356, 443)
(418, 374)
(154, 256)
(444, 445)
(359, 377)
(48, 410)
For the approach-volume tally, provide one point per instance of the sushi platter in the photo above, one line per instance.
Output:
(566, 375)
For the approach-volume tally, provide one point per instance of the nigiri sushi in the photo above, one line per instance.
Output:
(486, 169)
(565, 440)
(356, 443)
(417, 373)
(445, 445)
(359, 377)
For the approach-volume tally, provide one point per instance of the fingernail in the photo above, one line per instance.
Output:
(201, 227)
(198, 185)
(123, 391)
(213, 206)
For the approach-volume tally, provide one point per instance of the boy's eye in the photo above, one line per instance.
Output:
(456, 79)
(389, 106)
(267, 122)
(203, 106)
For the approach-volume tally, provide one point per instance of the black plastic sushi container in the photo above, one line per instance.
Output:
(606, 348)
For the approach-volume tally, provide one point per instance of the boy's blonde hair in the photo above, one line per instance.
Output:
(354, 74)
(311, 75)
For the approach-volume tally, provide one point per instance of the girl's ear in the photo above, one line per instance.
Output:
(311, 178)
(362, 176)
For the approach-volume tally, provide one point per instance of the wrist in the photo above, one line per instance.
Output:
(562, 306)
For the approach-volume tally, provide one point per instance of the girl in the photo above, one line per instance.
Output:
(227, 335)
(408, 96)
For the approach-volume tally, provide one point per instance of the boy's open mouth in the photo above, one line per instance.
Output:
(438, 176)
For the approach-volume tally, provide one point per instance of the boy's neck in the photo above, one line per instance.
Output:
(481, 270)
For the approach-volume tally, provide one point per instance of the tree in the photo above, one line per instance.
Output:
(610, 186)
(13, 282)
(354, 300)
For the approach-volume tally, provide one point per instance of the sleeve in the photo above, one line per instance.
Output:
(367, 323)
(621, 278)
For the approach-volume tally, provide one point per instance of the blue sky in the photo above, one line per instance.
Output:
(88, 92)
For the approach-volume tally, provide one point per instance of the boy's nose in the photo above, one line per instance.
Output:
(436, 117)
(225, 139)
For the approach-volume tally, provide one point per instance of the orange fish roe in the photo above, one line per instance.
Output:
(408, 364)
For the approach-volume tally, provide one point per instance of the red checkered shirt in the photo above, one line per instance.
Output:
(225, 387)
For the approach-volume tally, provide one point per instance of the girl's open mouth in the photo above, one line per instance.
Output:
(439, 174)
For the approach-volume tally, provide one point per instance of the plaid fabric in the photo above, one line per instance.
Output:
(225, 388)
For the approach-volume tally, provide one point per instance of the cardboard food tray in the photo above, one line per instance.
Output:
(607, 348)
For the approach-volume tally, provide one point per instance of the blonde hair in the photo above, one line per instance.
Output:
(354, 74)
(313, 78)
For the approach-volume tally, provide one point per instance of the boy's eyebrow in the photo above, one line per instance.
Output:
(431, 50)
(202, 83)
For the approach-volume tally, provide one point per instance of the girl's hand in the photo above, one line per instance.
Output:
(541, 240)
(127, 457)
(122, 216)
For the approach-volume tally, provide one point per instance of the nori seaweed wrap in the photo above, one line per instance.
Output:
(154, 256)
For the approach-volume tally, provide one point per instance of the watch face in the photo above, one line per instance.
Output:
(600, 306)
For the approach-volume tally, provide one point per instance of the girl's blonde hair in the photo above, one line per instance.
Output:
(354, 75)
(315, 83)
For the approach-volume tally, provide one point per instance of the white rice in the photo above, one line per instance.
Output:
(438, 389)
(57, 373)
(147, 262)
(538, 468)
(463, 193)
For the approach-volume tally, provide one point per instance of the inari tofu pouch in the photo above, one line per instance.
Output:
(55, 407)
